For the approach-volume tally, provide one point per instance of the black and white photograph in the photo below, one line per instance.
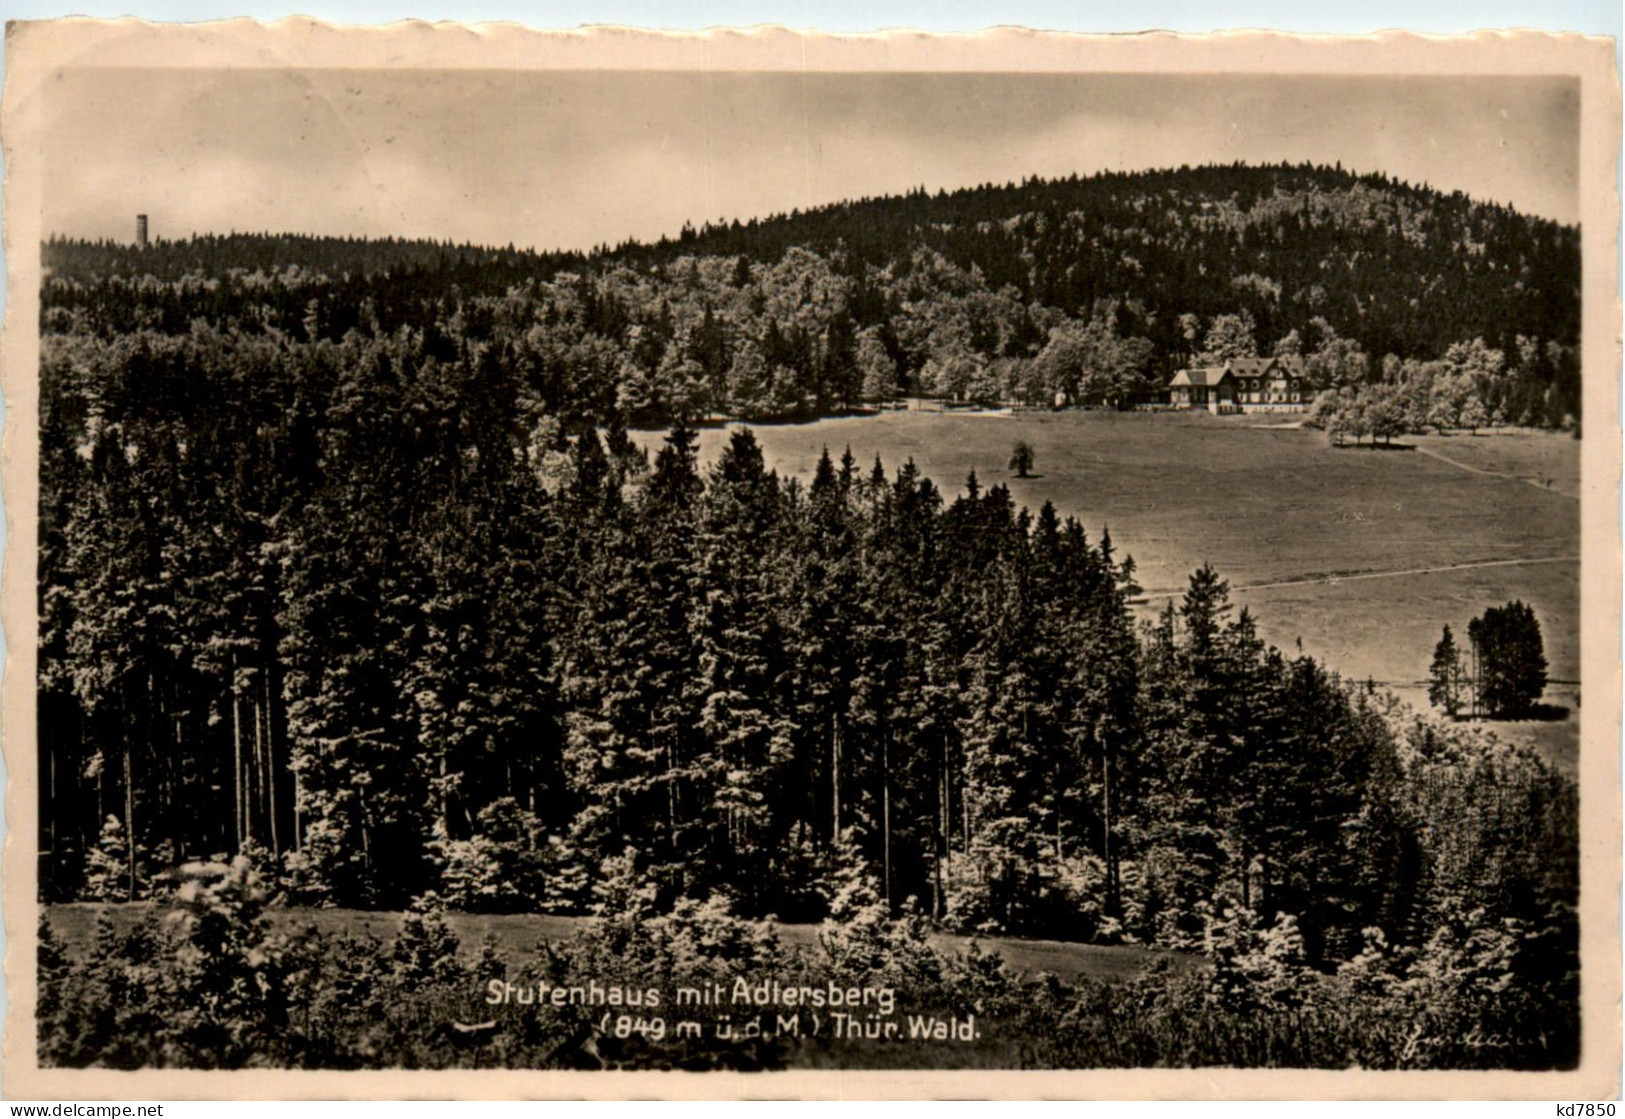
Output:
(1015, 554)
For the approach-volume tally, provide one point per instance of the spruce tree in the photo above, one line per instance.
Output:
(1445, 677)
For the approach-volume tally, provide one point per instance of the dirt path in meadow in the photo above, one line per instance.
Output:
(1543, 486)
(1332, 580)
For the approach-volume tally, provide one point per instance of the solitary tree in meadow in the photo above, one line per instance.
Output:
(1021, 459)
(1446, 677)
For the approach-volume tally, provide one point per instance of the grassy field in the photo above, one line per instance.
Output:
(517, 935)
(1538, 458)
(1377, 549)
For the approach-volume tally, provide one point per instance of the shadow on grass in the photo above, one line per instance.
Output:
(1539, 713)
(787, 419)
(1547, 713)
(1374, 446)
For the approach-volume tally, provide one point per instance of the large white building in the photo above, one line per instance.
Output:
(1248, 384)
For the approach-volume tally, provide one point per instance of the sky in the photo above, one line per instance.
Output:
(578, 158)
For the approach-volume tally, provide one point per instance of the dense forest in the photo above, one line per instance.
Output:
(1099, 288)
(358, 576)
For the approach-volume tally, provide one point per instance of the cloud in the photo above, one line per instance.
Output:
(574, 159)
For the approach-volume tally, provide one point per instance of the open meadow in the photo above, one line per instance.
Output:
(516, 937)
(1363, 555)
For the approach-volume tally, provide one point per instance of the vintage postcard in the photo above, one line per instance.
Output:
(769, 564)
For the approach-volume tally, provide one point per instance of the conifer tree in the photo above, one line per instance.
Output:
(1446, 676)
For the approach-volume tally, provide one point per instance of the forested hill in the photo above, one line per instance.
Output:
(1099, 287)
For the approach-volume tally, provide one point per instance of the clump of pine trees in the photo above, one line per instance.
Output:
(1502, 672)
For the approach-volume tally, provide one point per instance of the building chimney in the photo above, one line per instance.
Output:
(141, 231)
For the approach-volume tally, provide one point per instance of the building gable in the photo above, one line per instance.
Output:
(1201, 378)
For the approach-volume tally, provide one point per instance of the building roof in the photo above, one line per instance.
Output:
(1250, 366)
(1199, 378)
(1289, 365)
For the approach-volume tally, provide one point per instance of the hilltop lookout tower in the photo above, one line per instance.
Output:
(141, 231)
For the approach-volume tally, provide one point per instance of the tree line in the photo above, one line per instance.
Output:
(1090, 290)
(219, 978)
